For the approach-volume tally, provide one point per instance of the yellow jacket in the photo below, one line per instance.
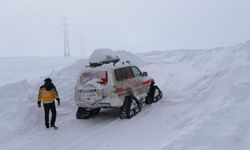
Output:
(47, 96)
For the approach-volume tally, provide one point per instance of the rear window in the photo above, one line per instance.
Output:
(90, 75)
(123, 73)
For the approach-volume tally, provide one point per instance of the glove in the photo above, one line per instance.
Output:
(58, 101)
(39, 104)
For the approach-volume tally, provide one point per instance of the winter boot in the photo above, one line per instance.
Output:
(53, 126)
(47, 125)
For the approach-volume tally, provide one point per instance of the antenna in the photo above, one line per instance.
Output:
(66, 40)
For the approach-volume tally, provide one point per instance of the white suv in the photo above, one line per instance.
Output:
(121, 85)
(107, 86)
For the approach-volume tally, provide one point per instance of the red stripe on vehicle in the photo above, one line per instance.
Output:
(145, 83)
(122, 91)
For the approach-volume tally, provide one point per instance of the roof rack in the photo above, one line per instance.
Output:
(98, 64)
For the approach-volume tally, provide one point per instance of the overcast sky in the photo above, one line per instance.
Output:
(34, 27)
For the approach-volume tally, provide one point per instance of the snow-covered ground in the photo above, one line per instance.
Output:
(205, 105)
(30, 68)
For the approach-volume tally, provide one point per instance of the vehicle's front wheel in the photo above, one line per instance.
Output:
(130, 107)
(157, 94)
(154, 95)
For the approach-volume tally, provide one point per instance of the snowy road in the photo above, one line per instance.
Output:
(205, 106)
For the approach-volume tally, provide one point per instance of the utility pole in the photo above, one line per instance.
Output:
(82, 47)
(66, 40)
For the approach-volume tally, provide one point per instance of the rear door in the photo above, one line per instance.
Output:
(125, 81)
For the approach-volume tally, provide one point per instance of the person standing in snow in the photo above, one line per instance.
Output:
(47, 95)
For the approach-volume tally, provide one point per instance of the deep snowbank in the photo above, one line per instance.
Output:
(216, 92)
(21, 115)
(17, 69)
(205, 106)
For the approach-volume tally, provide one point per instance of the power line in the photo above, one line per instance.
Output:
(48, 9)
(21, 15)
(37, 15)
(15, 12)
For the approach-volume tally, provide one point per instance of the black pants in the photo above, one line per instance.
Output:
(50, 107)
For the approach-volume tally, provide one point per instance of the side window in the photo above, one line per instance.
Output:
(120, 74)
(136, 71)
(123, 73)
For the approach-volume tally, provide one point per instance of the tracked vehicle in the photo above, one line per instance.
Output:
(107, 84)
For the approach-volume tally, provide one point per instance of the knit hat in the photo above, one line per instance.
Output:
(47, 80)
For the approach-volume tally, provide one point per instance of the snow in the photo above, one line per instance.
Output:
(105, 54)
(205, 105)
(16, 69)
(102, 55)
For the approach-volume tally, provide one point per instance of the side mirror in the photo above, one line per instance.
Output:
(144, 74)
